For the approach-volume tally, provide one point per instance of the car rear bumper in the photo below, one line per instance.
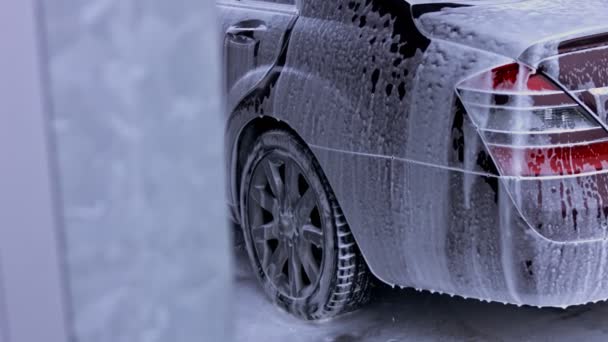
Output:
(560, 274)
(449, 231)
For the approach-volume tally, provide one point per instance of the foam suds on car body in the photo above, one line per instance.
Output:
(380, 118)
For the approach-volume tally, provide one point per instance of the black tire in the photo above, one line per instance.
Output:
(281, 220)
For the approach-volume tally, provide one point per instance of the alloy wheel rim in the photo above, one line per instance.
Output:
(286, 226)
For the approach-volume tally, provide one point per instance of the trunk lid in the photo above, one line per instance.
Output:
(525, 30)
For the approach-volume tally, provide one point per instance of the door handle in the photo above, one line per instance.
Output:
(247, 28)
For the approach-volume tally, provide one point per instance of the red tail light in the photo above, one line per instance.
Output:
(551, 161)
(531, 127)
(506, 78)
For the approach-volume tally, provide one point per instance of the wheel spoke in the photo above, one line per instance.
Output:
(312, 235)
(277, 261)
(291, 182)
(308, 262)
(265, 232)
(264, 249)
(295, 275)
(305, 205)
(273, 176)
(263, 199)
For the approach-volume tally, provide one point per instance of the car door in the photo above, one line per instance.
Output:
(253, 31)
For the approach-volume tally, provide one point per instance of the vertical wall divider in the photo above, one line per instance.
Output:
(32, 284)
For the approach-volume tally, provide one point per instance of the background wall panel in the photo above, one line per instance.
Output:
(136, 123)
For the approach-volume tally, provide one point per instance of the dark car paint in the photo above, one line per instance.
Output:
(373, 96)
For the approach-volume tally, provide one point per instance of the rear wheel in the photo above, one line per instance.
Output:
(296, 236)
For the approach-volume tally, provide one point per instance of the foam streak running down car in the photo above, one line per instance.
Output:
(459, 147)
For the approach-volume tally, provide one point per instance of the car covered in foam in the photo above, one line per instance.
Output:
(459, 147)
